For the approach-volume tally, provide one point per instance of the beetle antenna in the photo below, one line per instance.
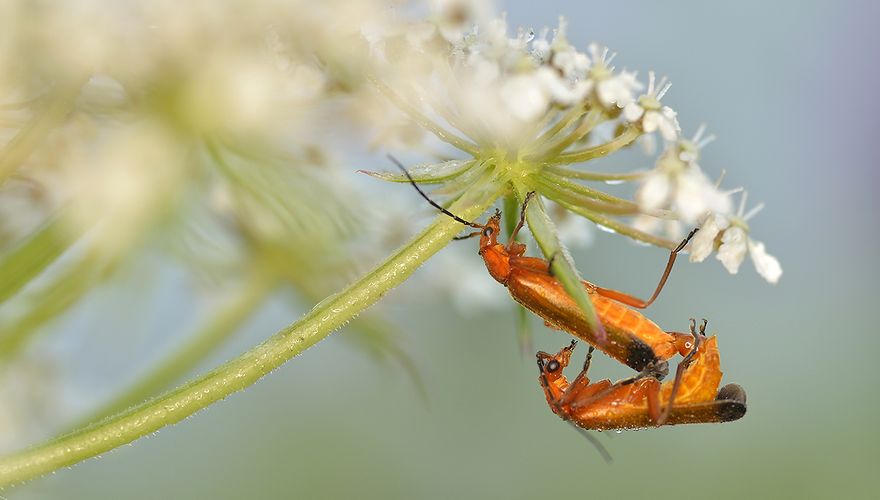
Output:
(595, 442)
(429, 200)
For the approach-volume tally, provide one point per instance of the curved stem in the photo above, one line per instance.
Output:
(624, 139)
(245, 370)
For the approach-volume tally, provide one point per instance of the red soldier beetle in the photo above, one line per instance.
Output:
(630, 337)
(692, 397)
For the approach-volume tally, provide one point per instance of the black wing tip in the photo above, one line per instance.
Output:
(639, 355)
(733, 402)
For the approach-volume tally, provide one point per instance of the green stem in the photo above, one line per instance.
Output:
(588, 123)
(218, 329)
(572, 173)
(511, 213)
(52, 300)
(425, 122)
(578, 193)
(326, 317)
(619, 227)
(624, 139)
(34, 255)
(560, 192)
(564, 121)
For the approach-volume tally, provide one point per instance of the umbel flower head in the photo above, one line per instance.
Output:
(524, 108)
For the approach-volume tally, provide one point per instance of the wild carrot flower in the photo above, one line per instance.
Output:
(523, 107)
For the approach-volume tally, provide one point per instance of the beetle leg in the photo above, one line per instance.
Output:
(581, 382)
(595, 442)
(682, 366)
(522, 218)
(651, 390)
(632, 301)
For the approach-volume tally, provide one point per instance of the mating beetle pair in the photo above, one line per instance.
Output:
(692, 396)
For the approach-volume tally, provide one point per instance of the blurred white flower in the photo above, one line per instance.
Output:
(767, 265)
(678, 183)
(733, 248)
(466, 282)
(525, 97)
(124, 187)
(454, 17)
(570, 62)
(650, 114)
(563, 92)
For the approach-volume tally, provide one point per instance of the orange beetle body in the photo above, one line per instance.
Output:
(631, 338)
(640, 402)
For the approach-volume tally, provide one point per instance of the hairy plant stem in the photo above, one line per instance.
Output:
(326, 317)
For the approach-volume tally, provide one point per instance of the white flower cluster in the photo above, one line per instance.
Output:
(650, 114)
(678, 183)
(535, 73)
(507, 84)
(504, 92)
(729, 233)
